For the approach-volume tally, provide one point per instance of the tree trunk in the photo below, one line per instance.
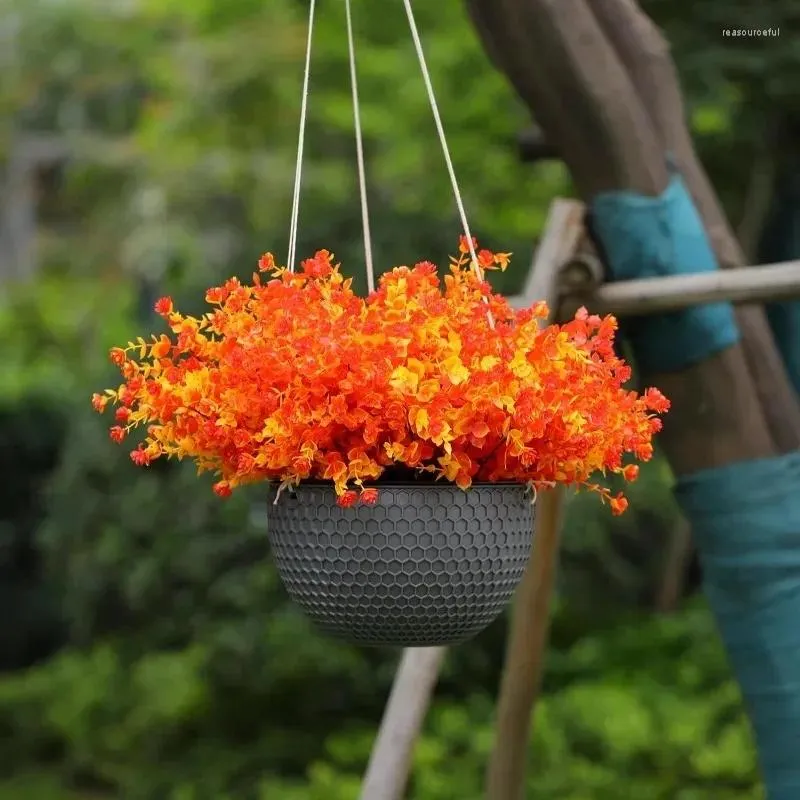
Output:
(585, 91)
(601, 85)
(645, 54)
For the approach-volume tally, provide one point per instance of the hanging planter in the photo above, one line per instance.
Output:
(399, 434)
(427, 564)
(349, 408)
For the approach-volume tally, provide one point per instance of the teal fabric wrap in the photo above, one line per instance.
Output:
(745, 520)
(781, 242)
(643, 237)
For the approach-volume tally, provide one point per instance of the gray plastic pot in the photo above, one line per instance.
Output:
(430, 564)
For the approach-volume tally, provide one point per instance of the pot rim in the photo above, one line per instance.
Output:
(406, 484)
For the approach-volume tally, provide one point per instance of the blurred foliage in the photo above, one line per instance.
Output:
(187, 126)
(645, 710)
(151, 651)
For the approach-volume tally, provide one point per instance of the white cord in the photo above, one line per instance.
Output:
(301, 138)
(439, 128)
(360, 147)
(443, 140)
(362, 180)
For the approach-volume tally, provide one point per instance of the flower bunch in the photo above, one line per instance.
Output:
(296, 377)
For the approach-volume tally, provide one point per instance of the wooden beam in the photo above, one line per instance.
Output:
(526, 646)
(563, 231)
(661, 295)
(390, 762)
(525, 655)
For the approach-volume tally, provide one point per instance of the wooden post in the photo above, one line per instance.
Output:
(525, 656)
(390, 762)
(673, 572)
(530, 620)
(18, 219)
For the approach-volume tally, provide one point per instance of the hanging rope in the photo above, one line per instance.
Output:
(362, 180)
(426, 76)
(301, 139)
(443, 141)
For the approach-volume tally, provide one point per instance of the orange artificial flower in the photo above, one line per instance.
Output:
(163, 306)
(369, 496)
(296, 377)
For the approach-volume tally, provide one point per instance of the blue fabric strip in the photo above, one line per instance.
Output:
(646, 237)
(746, 523)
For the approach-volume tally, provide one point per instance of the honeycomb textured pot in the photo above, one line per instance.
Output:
(428, 565)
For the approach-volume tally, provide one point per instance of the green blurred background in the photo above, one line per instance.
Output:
(147, 650)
